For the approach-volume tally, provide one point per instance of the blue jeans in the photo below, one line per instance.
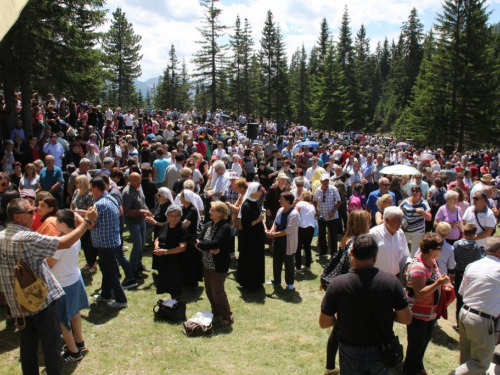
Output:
(109, 270)
(138, 234)
(124, 264)
(362, 360)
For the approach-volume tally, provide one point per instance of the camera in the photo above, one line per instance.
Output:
(321, 218)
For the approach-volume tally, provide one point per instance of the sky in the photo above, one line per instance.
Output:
(162, 23)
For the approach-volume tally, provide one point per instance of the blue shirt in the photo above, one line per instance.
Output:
(106, 232)
(372, 201)
(49, 178)
(161, 166)
(367, 170)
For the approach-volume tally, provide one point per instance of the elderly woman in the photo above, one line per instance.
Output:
(169, 248)
(416, 211)
(307, 212)
(383, 202)
(95, 160)
(297, 191)
(164, 200)
(446, 260)
(193, 267)
(424, 283)
(82, 200)
(214, 244)
(251, 262)
(30, 178)
(64, 266)
(285, 232)
(452, 214)
(236, 167)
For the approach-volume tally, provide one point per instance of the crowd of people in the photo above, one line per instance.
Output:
(200, 191)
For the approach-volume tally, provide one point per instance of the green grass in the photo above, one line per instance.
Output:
(276, 331)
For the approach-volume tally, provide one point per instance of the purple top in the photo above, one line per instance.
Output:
(451, 218)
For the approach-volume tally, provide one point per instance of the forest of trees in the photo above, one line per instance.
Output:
(436, 86)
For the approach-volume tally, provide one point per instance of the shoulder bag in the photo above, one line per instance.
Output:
(176, 312)
(339, 264)
(479, 223)
(30, 291)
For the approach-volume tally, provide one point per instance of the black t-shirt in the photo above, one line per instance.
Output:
(264, 178)
(191, 215)
(149, 189)
(363, 299)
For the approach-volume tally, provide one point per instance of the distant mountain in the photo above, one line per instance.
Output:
(147, 85)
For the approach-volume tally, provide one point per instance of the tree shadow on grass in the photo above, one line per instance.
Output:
(257, 295)
(99, 314)
(9, 341)
(305, 276)
(441, 338)
(192, 295)
(290, 296)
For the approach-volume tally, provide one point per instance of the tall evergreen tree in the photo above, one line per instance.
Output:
(456, 96)
(323, 40)
(281, 81)
(173, 76)
(122, 49)
(267, 57)
(210, 59)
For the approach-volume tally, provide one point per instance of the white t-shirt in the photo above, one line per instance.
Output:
(197, 176)
(66, 269)
(129, 120)
(307, 214)
(486, 219)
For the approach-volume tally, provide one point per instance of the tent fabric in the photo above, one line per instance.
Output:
(11, 9)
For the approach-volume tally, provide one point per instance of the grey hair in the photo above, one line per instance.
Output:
(299, 179)
(492, 244)
(180, 144)
(188, 184)
(450, 194)
(173, 208)
(225, 157)
(38, 163)
(84, 161)
(16, 206)
(108, 160)
(219, 164)
(392, 212)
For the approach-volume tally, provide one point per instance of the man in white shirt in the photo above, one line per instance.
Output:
(481, 295)
(220, 180)
(393, 251)
(129, 120)
(108, 113)
(481, 216)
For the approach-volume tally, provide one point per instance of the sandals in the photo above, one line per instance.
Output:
(88, 270)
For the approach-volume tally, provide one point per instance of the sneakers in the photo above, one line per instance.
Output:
(290, 287)
(117, 305)
(336, 370)
(124, 248)
(128, 284)
(69, 357)
(80, 346)
(99, 298)
(271, 283)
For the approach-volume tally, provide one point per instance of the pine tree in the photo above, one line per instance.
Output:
(173, 77)
(364, 74)
(323, 40)
(281, 81)
(456, 95)
(184, 96)
(122, 49)
(210, 59)
(267, 57)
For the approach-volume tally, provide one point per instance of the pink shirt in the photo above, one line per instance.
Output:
(444, 214)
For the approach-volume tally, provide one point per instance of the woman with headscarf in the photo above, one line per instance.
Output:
(164, 201)
(251, 262)
(315, 182)
(193, 265)
(169, 248)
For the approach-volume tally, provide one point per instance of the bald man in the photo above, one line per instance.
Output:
(135, 211)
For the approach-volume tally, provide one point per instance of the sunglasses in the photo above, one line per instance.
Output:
(324, 198)
(477, 198)
(385, 185)
(299, 185)
(30, 212)
(416, 190)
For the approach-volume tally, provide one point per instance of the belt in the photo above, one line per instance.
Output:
(482, 314)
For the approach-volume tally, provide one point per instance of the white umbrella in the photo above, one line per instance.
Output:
(399, 170)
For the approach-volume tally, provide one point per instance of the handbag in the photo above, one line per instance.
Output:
(193, 328)
(477, 219)
(392, 350)
(176, 312)
(30, 291)
(339, 264)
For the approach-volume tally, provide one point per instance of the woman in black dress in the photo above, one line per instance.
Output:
(164, 200)
(193, 265)
(169, 248)
(251, 261)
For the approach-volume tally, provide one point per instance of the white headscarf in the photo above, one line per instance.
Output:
(165, 193)
(252, 189)
(190, 197)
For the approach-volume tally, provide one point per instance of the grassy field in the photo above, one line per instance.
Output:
(276, 331)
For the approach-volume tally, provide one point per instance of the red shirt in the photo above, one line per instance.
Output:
(473, 171)
(36, 154)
